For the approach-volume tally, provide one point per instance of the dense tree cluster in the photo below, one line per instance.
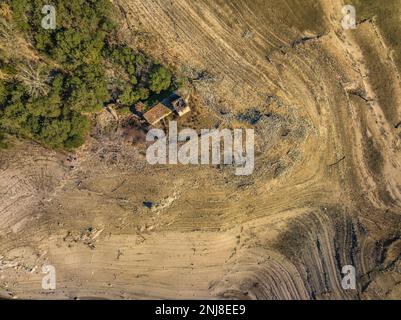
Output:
(81, 49)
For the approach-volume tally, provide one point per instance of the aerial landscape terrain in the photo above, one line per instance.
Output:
(78, 193)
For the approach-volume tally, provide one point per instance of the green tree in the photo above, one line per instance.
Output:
(128, 97)
(14, 113)
(87, 89)
(3, 93)
(3, 141)
(160, 79)
(19, 8)
(141, 93)
(51, 105)
(80, 126)
(54, 132)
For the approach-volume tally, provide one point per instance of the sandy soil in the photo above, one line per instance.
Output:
(325, 192)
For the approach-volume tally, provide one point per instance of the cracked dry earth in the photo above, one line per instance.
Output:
(325, 192)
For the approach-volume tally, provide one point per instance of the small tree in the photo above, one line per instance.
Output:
(128, 97)
(3, 142)
(3, 93)
(160, 79)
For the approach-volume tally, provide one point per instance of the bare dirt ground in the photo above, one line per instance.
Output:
(325, 193)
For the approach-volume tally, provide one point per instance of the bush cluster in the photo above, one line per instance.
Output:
(81, 49)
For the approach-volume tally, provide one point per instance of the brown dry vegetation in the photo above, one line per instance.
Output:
(325, 192)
